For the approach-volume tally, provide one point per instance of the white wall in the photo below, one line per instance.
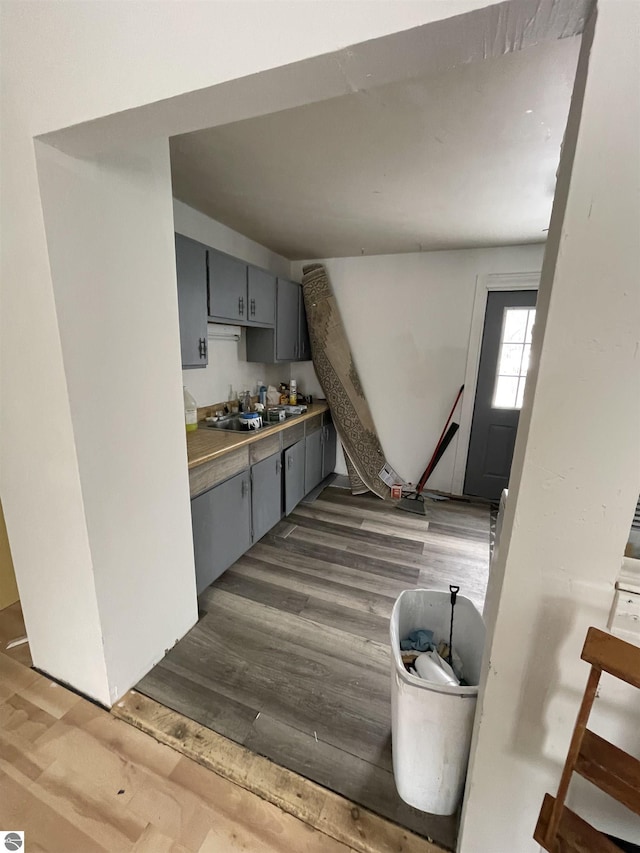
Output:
(408, 319)
(575, 477)
(228, 363)
(74, 62)
(136, 496)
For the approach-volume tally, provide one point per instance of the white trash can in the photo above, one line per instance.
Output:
(431, 724)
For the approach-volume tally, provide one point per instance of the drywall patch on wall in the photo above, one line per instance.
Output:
(408, 319)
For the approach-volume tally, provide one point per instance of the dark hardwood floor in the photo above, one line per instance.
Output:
(291, 654)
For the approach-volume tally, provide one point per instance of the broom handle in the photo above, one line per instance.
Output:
(429, 467)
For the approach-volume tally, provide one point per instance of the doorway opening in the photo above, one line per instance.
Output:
(502, 375)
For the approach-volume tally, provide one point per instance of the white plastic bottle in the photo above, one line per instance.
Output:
(190, 410)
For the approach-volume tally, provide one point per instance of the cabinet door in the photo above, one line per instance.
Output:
(293, 476)
(266, 495)
(329, 445)
(227, 288)
(262, 296)
(287, 302)
(313, 460)
(191, 272)
(221, 520)
(304, 346)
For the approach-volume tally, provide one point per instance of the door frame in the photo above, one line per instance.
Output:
(484, 284)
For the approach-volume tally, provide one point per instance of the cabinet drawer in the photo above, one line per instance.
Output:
(263, 448)
(292, 434)
(211, 473)
(313, 424)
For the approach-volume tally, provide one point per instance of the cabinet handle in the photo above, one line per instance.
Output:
(202, 347)
(278, 466)
(245, 488)
(289, 462)
(241, 305)
(253, 307)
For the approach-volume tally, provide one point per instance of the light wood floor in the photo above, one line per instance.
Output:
(78, 780)
(291, 655)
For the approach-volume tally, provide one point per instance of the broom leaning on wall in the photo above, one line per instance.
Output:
(414, 501)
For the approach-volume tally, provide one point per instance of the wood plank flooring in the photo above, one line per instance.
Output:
(76, 779)
(291, 655)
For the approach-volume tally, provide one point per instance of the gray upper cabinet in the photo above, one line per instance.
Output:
(191, 272)
(294, 464)
(289, 341)
(304, 344)
(221, 520)
(227, 289)
(223, 289)
(287, 320)
(329, 447)
(266, 495)
(261, 295)
(239, 293)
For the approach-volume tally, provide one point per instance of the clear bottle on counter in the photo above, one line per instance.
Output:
(190, 410)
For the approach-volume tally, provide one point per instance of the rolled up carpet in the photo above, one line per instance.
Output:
(341, 385)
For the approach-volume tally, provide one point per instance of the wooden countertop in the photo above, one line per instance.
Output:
(205, 444)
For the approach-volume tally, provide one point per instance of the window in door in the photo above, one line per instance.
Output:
(513, 360)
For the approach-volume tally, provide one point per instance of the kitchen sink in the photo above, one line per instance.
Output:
(231, 423)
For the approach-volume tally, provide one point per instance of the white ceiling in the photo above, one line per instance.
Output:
(463, 159)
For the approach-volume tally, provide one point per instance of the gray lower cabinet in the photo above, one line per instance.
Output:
(221, 520)
(227, 289)
(261, 296)
(329, 447)
(191, 272)
(313, 460)
(294, 465)
(266, 494)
